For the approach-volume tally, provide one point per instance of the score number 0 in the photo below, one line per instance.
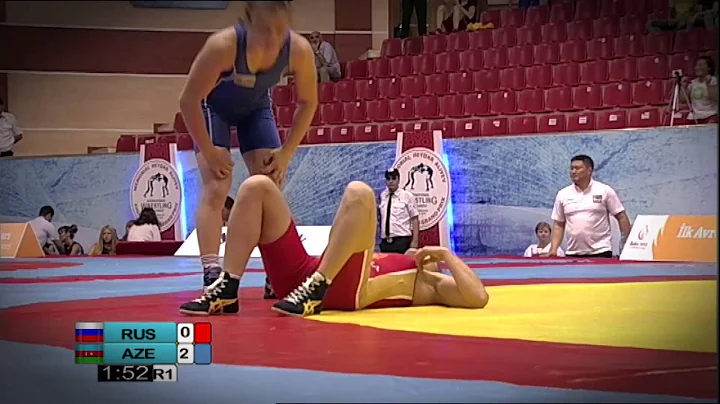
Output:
(185, 348)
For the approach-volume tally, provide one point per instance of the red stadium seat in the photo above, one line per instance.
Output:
(412, 46)
(708, 40)
(581, 121)
(531, 100)
(504, 37)
(389, 87)
(179, 124)
(547, 53)
(326, 92)
(594, 72)
(471, 60)
(427, 107)
(554, 32)
(512, 17)
(345, 90)
(185, 142)
(587, 97)
(128, 144)
(521, 125)
(629, 45)
(318, 136)
(486, 80)
(416, 126)
(512, 78)
(572, 51)
(503, 102)
(281, 95)
(684, 62)
(495, 58)
(566, 74)
(437, 84)
(539, 76)
(607, 27)
(366, 89)
(482, 39)
(434, 44)
(611, 8)
(552, 123)
(586, 9)
(401, 66)
(617, 95)
(644, 118)
(447, 62)
(658, 5)
(632, 25)
(580, 30)
(492, 16)
(391, 47)
(561, 12)
(559, 99)
(355, 112)
(521, 55)
(467, 128)
(356, 69)
(379, 110)
(389, 131)
(529, 35)
(447, 128)
(285, 116)
(461, 82)
(538, 15)
(379, 67)
(423, 64)
(658, 42)
(494, 126)
(401, 109)
(332, 114)
(145, 139)
(317, 118)
(607, 120)
(365, 133)
(649, 92)
(412, 86)
(458, 41)
(341, 134)
(600, 48)
(636, 7)
(622, 69)
(653, 67)
(167, 139)
(477, 104)
(451, 106)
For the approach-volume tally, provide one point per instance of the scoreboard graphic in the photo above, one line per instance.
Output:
(142, 351)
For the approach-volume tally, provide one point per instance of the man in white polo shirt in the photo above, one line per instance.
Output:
(583, 209)
(10, 132)
(399, 216)
(44, 229)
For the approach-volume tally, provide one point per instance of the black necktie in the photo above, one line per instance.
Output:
(387, 216)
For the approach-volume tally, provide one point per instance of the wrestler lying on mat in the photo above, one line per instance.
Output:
(347, 277)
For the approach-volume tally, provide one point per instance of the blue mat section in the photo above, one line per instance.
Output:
(77, 384)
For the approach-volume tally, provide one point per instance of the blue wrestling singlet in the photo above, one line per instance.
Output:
(242, 99)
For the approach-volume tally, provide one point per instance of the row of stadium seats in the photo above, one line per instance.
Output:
(454, 128)
(681, 41)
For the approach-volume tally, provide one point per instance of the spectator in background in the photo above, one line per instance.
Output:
(67, 239)
(584, 209)
(707, 18)
(543, 232)
(455, 15)
(684, 13)
(10, 132)
(107, 242)
(399, 217)
(326, 60)
(44, 229)
(229, 202)
(128, 225)
(146, 227)
(702, 92)
(421, 10)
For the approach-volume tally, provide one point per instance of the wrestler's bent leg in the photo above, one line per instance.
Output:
(352, 234)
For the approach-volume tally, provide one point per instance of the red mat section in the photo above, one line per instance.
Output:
(89, 278)
(258, 337)
(18, 266)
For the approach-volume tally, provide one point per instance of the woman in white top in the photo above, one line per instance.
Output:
(543, 232)
(146, 227)
(703, 92)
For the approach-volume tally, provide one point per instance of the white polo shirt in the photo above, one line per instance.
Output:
(402, 209)
(145, 232)
(9, 128)
(44, 230)
(587, 217)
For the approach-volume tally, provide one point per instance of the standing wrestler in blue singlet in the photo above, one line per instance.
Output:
(229, 85)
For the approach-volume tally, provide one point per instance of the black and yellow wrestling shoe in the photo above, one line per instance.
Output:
(210, 275)
(269, 291)
(220, 298)
(306, 299)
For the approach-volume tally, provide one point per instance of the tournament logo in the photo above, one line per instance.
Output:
(423, 173)
(156, 184)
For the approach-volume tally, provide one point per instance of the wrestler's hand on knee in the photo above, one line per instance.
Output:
(431, 254)
(276, 164)
(219, 162)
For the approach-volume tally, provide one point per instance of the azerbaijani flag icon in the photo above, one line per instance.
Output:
(89, 339)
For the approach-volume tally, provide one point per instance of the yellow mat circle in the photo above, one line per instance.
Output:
(655, 315)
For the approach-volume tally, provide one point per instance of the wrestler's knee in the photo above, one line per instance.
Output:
(358, 192)
(215, 191)
(256, 185)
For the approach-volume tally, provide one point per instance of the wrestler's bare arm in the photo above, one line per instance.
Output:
(302, 64)
(463, 289)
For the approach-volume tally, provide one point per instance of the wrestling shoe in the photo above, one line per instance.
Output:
(220, 298)
(306, 299)
(269, 292)
(210, 275)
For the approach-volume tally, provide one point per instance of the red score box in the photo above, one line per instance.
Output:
(203, 333)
